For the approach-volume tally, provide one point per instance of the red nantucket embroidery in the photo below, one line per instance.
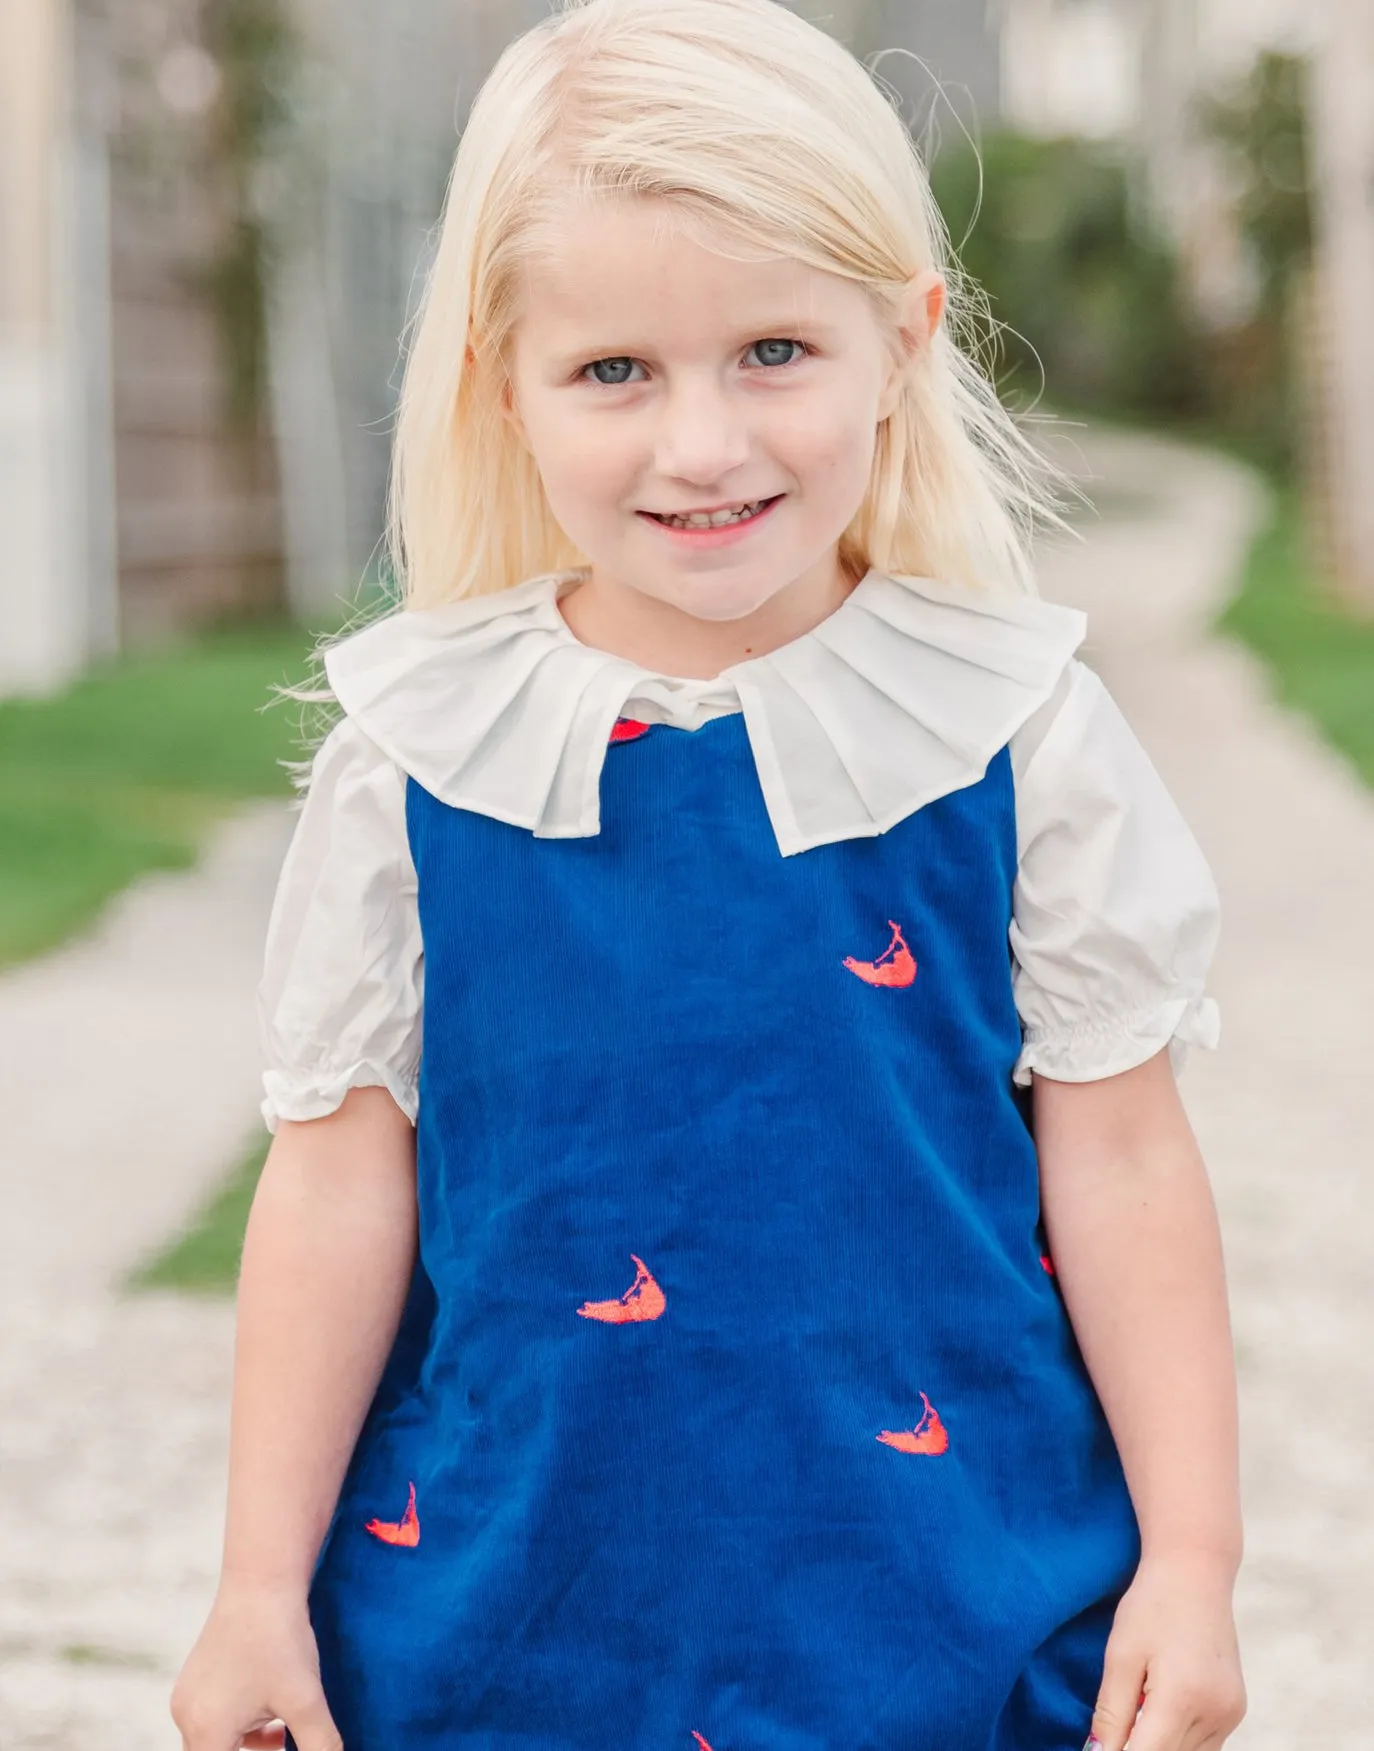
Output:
(701, 1742)
(1047, 1264)
(894, 966)
(929, 1436)
(626, 729)
(642, 1300)
(404, 1531)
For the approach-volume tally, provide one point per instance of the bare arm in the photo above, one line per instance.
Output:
(327, 1261)
(1133, 1230)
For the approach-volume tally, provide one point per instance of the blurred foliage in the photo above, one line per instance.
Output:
(1320, 658)
(205, 1260)
(1082, 285)
(1263, 123)
(122, 772)
(1073, 282)
(1255, 371)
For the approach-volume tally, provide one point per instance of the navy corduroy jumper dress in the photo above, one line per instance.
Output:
(735, 1405)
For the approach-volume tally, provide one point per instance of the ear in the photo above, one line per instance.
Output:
(507, 406)
(923, 306)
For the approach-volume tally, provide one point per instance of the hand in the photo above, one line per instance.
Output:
(1173, 1639)
(254, 1667)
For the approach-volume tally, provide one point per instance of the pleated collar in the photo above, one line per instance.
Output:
(901, 695)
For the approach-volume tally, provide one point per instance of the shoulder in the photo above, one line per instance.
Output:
(353, 795)
(1115, 910)
(489, 703)
(346, 756)
(349, 854)
(1083, 779)
(1077, 704)
(339, 999)
(1077, 751)
(413, 668)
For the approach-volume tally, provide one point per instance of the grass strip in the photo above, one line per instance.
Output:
(204, 1260)
(121, 772)
(1320, 657)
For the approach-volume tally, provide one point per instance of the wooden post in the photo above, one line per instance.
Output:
(1341, 111)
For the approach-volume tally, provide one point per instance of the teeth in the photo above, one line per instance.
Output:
(713, 519)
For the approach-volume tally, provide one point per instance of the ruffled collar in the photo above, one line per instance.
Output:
(902, 694)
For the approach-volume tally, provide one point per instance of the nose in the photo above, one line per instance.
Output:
(702, 433)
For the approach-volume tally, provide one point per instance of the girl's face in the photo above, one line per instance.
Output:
(651, 376)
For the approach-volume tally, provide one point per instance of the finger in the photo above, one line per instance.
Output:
(1118, 1700)
(312, 1725)
(205, 1728)
(1196, 1718)
(1213, 1740)
(1164, 1725)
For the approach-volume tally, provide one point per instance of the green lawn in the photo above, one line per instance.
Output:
(1320, 658)
(205, 1260)
(121, 772)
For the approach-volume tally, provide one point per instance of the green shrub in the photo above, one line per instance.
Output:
(1073, 275)
(1254, 371)
(1086, 297)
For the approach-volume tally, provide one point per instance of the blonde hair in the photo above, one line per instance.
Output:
(744, 116)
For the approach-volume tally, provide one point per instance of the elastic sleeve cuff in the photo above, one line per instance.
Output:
(1106, 1048)
(296, 1098)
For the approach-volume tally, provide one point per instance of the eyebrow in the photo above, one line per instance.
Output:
(780, 330)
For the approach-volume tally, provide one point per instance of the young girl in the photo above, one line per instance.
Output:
(782, 1307)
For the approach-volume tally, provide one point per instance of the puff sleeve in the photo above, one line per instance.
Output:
(340, 1000)
(1115, 912)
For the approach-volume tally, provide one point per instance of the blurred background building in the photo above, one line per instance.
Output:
(214, 215)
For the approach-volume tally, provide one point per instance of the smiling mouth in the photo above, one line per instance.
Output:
(714, 519)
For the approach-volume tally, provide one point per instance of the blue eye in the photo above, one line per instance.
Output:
(616, 382)
(760, 344)
(621, 364)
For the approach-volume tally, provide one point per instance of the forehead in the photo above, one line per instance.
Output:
(628, 269)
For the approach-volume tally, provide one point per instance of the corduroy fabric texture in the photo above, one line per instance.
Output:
(737, 1397)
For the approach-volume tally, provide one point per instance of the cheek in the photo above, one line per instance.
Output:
(578, 464)
(832, 451)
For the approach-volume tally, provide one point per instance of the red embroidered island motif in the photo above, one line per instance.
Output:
(404, 1531)
(703, 1746)
(894, 966)
(627, 729)
(1047, 1264)
(929, 1436)
(642, 1300)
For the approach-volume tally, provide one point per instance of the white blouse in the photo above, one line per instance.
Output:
(903, 694)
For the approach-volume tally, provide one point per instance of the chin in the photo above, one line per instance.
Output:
(727, 604)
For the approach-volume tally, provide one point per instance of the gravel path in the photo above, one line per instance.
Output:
(128, 1077)
(129, 1082)
(1282, 1107)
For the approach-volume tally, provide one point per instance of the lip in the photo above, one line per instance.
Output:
(710, 510)
(724, 536)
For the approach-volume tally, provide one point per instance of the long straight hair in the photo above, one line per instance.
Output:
(745, 118)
